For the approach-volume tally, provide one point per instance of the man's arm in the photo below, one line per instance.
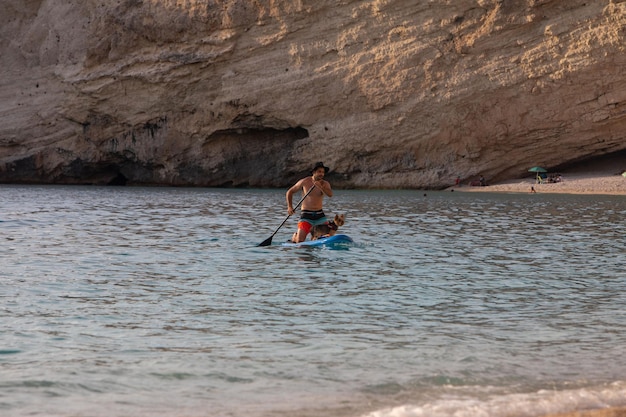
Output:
(324, 186)
(289, 196)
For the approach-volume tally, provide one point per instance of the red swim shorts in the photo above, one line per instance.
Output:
(306, 226)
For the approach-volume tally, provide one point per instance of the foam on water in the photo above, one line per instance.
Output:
(491, 402)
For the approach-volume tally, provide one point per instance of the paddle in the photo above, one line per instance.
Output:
(268, 241)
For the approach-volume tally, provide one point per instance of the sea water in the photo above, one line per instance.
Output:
(158, 302)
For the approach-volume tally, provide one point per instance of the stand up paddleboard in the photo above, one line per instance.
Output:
(330, 241)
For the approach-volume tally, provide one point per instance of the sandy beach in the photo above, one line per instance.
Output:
(601, 176)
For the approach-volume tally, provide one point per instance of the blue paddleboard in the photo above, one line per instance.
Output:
(335, 240)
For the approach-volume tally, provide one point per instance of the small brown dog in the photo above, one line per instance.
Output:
(329, 228)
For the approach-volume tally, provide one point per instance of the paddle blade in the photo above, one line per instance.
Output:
(267, 241)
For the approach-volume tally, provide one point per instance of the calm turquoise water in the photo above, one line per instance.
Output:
(157, 302)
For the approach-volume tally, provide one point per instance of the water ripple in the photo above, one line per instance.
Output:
(115, 300)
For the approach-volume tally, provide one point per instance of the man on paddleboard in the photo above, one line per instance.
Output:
(311, 213)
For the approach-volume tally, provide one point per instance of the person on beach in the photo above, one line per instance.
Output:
(311, 212)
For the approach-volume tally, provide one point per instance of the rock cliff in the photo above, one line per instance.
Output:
(389, 93)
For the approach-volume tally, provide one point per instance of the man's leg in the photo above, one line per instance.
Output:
(303, 229)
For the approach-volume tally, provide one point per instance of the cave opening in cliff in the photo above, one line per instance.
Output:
(263, 133)
(119, 179)
(247, 156)
(616, 160)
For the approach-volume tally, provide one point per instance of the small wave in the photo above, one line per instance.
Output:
(539, 403)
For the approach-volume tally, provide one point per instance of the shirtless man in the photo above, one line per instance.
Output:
(311, 213)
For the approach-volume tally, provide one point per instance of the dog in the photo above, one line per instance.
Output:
(329, 228)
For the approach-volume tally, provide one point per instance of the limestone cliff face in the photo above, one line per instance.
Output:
(389, 93)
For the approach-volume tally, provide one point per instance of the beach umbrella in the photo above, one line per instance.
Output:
(537, 169)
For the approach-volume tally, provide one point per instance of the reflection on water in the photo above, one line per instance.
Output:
(158, 302)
